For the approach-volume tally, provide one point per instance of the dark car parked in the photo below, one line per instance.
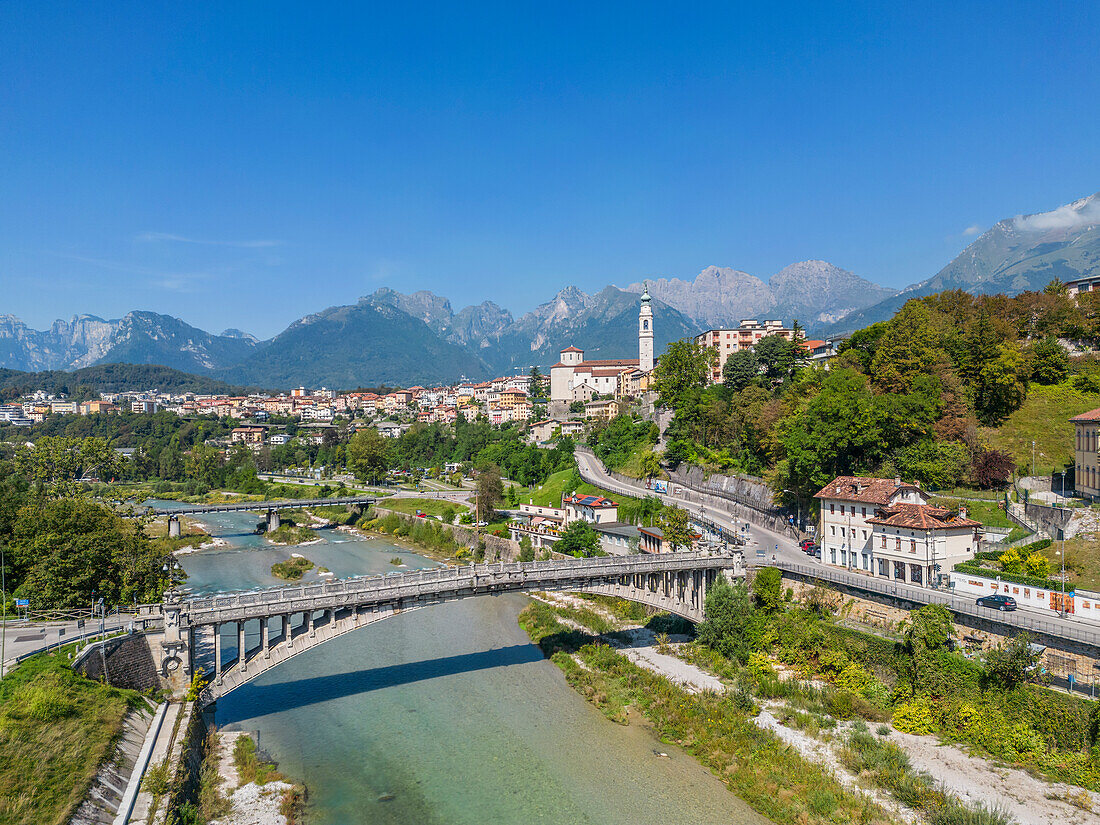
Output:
(806, 544)
(997, 602)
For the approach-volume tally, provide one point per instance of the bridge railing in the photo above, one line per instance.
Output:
(1059, 628)
(398, 583)
(285, 504)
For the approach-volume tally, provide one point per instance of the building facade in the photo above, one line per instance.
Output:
(887, 529)
(728, 341)
(1086, 471)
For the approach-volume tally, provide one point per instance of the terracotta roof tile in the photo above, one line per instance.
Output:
(921, 517)
(1091, 415)
(863, 489)
(572, 349)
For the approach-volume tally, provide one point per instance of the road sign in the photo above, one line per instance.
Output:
(22, 602)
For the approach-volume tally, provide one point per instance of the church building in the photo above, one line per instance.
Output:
(575, 379)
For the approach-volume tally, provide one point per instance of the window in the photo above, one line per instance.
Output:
(865, 535)
(882, 569)
(645, 324)
(842, 509)
(913, 546)
(916, 574)
(832, 554)
(832, 529)
(864, 512)
(832, 507)
(884, 542)
(897, 545)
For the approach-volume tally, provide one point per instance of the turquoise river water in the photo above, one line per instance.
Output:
(443, 715)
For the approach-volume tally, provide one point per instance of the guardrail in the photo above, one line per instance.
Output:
(1058, 628)
(397, 585)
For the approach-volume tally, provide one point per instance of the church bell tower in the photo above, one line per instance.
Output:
(645, 332)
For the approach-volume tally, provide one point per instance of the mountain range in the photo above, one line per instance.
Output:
(394, 338)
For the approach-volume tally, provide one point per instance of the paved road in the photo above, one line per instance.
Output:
(24, 638)
(790, 556)
(758, 538)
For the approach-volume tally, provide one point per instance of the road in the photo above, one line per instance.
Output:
(759, 539)
(788, 554)
(24, 638)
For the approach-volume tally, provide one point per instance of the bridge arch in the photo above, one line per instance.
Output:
(673, 582)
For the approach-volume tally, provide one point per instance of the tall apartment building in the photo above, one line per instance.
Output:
(745, 336)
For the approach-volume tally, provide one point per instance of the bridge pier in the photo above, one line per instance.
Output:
(288, 632)
(242, 650)
(312, 627)
(173, 527)
(265, 637)
(272, 520)
(218, 653)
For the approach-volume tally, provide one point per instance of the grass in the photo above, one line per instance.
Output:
(988, 513)
(431, 506)
(291, 570)
(549, 493)
(56, 729)
(250, 768)
(754, 764)
(1082, 561)
(1044, 419)
(887, 766)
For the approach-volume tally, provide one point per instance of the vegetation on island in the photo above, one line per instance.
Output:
(291, 569)
(290, 533)
(56, 729)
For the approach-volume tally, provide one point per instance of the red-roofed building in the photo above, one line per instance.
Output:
(596, 509)
(886, 528)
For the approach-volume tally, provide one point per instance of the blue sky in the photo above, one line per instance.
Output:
(242, 164)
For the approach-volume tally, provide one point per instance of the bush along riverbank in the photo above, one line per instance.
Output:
(434, 539)
(238, 786)
(292, 569)
(766, 662)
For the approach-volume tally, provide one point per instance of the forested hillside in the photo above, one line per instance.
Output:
(923, 395)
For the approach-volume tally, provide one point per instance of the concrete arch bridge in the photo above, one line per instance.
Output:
(292, 620)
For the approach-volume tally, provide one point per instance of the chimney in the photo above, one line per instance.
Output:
(897, 482)
(962, 511)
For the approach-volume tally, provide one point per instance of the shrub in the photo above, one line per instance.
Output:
(914, 717)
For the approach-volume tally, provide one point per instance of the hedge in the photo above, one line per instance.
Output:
(975, 569)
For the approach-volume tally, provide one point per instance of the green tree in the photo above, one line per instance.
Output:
(203, 465)
(676, 529)
(526, 549)
(779, 359)
(61, 464)
(731, 626)
(1009, 663)
(928, 629)
(490, 492)
(767, 588)
(1012, 562)
(368, 455)
(1050, 363)
(684, 369)
(939, 465)
(579, 539)
(908, 348)
(649, 464)
(741, 369)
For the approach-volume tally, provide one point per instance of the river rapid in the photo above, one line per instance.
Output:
(443, 715)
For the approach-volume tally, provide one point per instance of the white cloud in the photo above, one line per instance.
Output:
(973, 229)
(1085, 212)
(152, 237)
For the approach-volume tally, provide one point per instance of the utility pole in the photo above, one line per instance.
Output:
(1033, 458)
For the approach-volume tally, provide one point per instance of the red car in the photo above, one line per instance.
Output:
(806, 544)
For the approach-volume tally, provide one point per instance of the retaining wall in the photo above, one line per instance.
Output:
(123, 662)
(496, 548)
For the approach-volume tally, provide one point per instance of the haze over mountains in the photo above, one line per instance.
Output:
(390, 337)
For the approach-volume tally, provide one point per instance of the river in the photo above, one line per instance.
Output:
(443, 715)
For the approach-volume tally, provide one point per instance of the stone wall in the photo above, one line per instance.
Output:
(123, 662)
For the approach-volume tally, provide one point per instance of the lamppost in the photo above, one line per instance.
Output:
(172, 571)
